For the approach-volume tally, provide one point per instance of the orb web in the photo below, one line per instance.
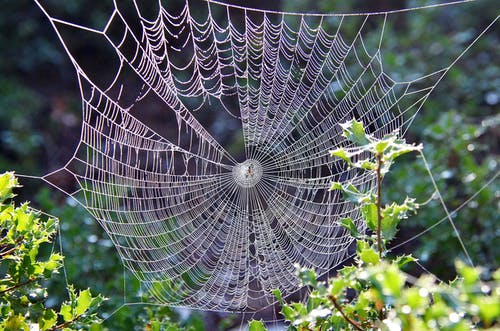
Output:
(199, 226)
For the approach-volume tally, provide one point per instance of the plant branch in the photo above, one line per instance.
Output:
(66, 324)
(31, 280)
(7, 252)
(356, 325)
(379, 204)
(9, 248)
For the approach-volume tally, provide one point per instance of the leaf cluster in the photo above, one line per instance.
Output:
(24, 268)
(375, 293)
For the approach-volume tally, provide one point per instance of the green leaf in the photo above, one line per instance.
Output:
(66, 312)
(367, 165)
(336, 186)
(308, 277)
(277, 293)
(414, 299)
(256, 326)
(389, 226)
(15, 322)
(96, 327)
(23, 221)
(54, 263)
(155, 325)
(370, 214)
(393, 281)
(355, 132)
(350, 192)
(288, 312)
(7, 182)
(49, 320)
(83, 302)
(398, 148)
(489, 308)
(393, 214)
(337, 285)
(342, 153)
(366, 253)
(369, 256)
(349, 225)
(470, 275)
(299, 307)
(404, 259)
(382, 145)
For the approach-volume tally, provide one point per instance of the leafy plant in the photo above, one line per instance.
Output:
(23, 270)
(464, 170)
(376, 294)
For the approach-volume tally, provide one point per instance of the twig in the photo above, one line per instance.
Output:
(65, 324)
(31, 280)
(4, 252)
(356, 325)
(379, 204)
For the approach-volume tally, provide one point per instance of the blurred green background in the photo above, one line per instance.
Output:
(458, 125)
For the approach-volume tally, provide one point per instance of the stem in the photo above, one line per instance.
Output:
(7, 252)
(379, 204)
(18, 285)
(65, 324)
(356, 325)
(10, 247)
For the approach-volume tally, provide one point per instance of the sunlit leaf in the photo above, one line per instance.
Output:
(255, 325)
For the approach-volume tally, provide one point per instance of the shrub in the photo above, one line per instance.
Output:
(375, 293)
(24, 268)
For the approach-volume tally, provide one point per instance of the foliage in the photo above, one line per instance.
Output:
(376, 294)
(28, 276)
(96, 265)
(461, 168)
(24, 269)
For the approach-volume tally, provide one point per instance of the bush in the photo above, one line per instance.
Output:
(23, 270)
(375, 293)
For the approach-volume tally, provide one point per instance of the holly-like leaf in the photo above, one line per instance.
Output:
(399, 147)
(385, 143)
(49, 320)
(277, 293)
(355, 132)
(369, 256)
(393, 214)
(256, 326)
(342, 153)
(66, 312)
(7, 183)
(489, 308)
(370, 214)
(83, 302)
(366, 253)
(288, 312)
(349, 225)
(404, 259)
(350, 192)
(469, 274)
(23, 221)
(390, 281)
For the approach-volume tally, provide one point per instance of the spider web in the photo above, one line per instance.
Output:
(201, 226)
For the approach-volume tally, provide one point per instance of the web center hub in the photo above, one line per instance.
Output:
(248, 173)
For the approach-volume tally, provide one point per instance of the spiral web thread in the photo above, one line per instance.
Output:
(196, 226)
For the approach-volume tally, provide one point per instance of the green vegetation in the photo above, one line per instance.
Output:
(24, 268)
(376, 294)
(30, 277)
